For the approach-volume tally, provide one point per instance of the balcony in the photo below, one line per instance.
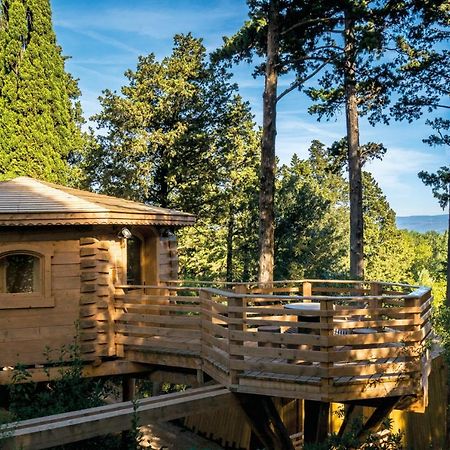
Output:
(329, 341)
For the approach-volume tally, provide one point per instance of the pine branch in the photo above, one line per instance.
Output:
(304, 80)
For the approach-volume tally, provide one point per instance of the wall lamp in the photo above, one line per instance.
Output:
(125, 233)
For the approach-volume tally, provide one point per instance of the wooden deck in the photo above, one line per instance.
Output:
(357, 341)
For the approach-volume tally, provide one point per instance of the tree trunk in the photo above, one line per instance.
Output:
(230, 234)
(267, 174)
(354, 154)
(447, 295)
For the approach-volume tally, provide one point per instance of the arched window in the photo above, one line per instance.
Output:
(20, 273)
(134, 255)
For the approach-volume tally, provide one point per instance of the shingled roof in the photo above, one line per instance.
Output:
(26, 201)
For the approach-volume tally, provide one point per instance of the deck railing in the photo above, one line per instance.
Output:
(350, 339)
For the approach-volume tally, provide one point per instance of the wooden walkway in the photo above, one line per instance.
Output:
(60, 429)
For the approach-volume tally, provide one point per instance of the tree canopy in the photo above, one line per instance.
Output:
(39, 121)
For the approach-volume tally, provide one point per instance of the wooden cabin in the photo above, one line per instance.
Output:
(62, 251)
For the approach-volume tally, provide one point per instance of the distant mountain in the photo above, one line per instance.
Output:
(423, 224)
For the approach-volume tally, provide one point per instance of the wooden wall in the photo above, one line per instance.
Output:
(25, 333)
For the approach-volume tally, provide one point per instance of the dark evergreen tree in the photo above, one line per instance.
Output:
(39, 120)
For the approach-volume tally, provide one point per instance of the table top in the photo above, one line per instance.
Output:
(302, 306)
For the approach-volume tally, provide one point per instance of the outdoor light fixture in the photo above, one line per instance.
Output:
(125, 233)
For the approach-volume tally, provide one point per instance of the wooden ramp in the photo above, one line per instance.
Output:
(75, 426)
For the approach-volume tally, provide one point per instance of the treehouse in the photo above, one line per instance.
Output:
(104, 270)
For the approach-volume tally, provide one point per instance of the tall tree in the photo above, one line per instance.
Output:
(39, 130)
(268, 162)
(360, 80)
(278, 33)
(223, 243)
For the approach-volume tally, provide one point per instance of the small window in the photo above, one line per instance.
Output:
(25, 275)
(134, 250)
(20, 273)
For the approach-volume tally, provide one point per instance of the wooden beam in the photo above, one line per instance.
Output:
(75, 426)
(107, 368)
(376, 419)
(261, 413)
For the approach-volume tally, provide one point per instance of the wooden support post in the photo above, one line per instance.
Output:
(307, 289)
(317, 413)
(238, 326)
(315, 425)
(205, 309)
(200, 377)
(128, 394)
(376, 290)
(128, 388)
(376, 419)
(348, 414)
(156, 388)
(265, 421)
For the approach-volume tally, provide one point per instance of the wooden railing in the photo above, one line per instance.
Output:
(351, 339)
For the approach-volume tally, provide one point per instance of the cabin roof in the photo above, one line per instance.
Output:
(26, 201)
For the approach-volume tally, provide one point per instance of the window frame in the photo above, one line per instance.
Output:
(25, 300)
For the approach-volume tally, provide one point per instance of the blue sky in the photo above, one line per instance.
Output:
(105, 37)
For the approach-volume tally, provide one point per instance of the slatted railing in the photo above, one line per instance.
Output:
(351, 339)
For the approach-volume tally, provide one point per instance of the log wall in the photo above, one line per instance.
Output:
(26, 332)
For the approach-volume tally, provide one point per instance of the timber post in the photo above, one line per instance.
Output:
(236, 324)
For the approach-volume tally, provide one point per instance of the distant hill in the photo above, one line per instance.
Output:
(423, 223)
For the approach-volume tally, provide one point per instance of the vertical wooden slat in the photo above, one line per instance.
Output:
(238, 301)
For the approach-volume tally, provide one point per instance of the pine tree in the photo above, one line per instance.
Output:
(39, 120)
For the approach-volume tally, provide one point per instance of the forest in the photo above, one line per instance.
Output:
(180, 135)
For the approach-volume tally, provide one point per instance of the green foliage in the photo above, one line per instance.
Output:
(161, 143)
(391, 440)
(179, 136)
(222, 245)
(439, 183)
(384, 248)
(311, 225)
(39, 116)
(70, 392)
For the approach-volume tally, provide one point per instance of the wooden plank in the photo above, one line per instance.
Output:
(107, 368)
(35, 333)
(64, 258)
(174, 308)
(156, 331)
(158, 343)
(277, 367)
(305, 355)
(279, 338)
(187, 361)
(193, 321)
